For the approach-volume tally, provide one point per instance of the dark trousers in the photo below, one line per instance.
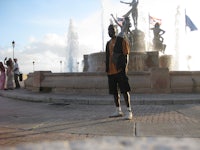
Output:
(16, 78)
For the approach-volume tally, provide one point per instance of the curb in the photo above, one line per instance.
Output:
(137, 99)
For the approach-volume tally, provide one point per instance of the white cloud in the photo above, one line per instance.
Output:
(53, 39)
(89, 32)
(46, 53)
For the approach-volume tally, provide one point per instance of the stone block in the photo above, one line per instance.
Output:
(165, 61)
(38, 76)
(160, 80)
(96, 62)
(152, 59)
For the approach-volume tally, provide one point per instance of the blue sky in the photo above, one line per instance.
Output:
(22, 18)
(39, 27)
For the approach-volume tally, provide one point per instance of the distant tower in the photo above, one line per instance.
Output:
(72, 49)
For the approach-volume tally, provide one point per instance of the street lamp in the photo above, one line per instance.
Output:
(33, 66)
(13, 45)
(77, 66)
(61, 66)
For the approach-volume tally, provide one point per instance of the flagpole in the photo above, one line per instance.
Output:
(149, 31)
(102, 25)
(185, 23)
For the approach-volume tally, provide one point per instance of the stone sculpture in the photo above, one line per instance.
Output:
(158, 39)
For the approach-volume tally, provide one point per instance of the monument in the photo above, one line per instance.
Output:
(140, 58)
(149, 71)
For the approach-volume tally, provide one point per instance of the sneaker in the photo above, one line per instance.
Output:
(129, 116)
(116, 114)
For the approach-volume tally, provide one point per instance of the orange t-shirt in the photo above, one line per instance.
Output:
(126, 50)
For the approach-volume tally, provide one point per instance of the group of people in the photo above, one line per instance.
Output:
(9, 71)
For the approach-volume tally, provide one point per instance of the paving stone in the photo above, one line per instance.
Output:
(24, 122)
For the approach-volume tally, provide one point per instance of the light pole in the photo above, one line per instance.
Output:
(33, 66)
(13, 45)
(61, 66)
(77, 66)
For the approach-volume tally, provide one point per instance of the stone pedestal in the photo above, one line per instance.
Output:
(96, 62)
(160, 80)
(152, 60)
(85, 61)
(165, 61)
(138, 61)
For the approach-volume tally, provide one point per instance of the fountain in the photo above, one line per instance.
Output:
(140, 58)
(72, 49)
(149, 70)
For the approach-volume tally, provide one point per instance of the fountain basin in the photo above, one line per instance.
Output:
(138, 61)
(156, 80)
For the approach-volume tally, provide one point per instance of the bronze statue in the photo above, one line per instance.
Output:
(158, 39)
(133, 11)
(125, 26)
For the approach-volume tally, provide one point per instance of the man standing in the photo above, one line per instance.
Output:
(16, 74)
(117, 50)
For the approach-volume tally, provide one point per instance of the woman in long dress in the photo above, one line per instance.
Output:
(2, 76)
(10, 75)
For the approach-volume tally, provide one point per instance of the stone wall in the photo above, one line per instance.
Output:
(156, 80)
(185, 81)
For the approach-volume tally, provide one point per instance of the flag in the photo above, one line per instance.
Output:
(154, 20)
(190, 24)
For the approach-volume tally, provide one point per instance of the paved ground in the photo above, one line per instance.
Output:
(75, 117)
